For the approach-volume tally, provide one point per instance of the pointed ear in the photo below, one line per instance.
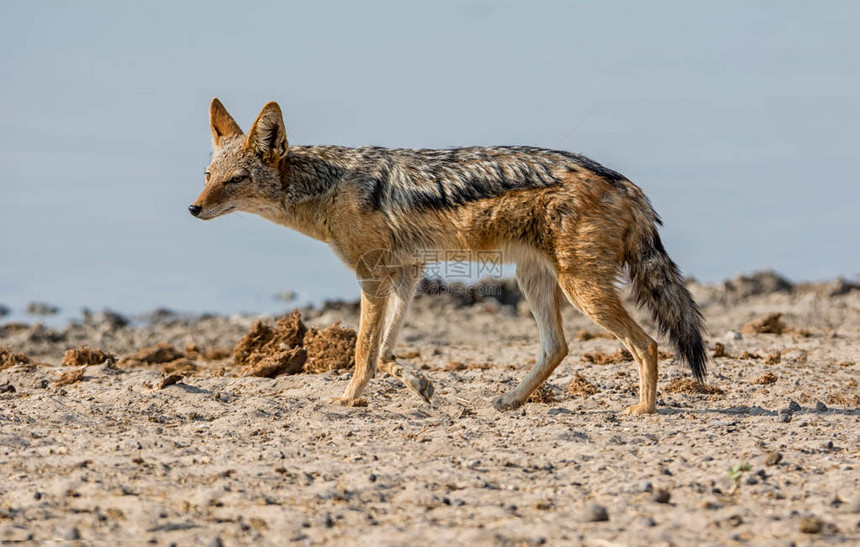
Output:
(221, 123)
(268, 136)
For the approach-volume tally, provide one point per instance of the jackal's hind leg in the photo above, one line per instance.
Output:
(600, 302)
(544, 297)
(398, 306)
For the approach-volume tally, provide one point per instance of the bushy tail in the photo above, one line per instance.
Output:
(659, 286)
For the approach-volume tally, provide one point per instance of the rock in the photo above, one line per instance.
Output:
(854, 506)
(555, 411)
(733, 335)
(794, 406)
(215, 542)
(595, 513)
(7, 388)
(72, 533)
(772, 458)
(645, 486)
(784, 416)
(820, 407)
(662, 495)
(109, 318)
(811, 525)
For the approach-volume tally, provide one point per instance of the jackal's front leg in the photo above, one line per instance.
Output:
(398, 305)
(373, 306)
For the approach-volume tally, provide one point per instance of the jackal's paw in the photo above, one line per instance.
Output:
(504, 403)
(420, 385)
(638, 410)
(345, 401)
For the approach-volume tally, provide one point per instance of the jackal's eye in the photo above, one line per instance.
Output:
(207, 174)
(237, 179)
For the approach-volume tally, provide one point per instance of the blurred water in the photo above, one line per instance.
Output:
(740, 121)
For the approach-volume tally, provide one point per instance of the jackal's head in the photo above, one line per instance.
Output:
(244, 174)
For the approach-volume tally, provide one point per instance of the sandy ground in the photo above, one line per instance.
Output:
(221, 459)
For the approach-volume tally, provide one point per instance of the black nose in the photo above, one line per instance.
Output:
(194, 209)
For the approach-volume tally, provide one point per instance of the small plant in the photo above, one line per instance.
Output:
(737, 470)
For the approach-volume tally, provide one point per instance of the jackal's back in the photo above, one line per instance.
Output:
(428, 179)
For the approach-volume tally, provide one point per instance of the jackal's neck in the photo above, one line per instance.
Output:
(308, 178)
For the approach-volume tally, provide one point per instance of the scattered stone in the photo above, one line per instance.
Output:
(595, 513)
(733, 335)
(773, 358)
(555, 411)
(661, 495)
(811, 525)
(772, 458)
(854, 505)
(72, 533)
(820, 407)
(784, 416)
(41, 383)
(645, 486)
(794, 406)
(215, 542)
(109, 318)
(7, 388)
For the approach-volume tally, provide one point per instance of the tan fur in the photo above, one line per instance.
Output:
(576, 235)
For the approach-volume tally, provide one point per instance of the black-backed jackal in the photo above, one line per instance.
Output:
(570, 225)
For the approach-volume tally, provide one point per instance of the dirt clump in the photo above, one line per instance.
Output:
(263, 341)
(603, 358)
(544, 394)
(766, 379)
(161, 352)
(584, 335)
(719, 351)
(455, 366)
(771, 323)
(330, 349)
(580, 387)
(773, 358)
(9, 358)
(71, 376)
(179, 366)
(169, 380)
(193, 351)
(84, 356)
(691, 387)
(288, 361)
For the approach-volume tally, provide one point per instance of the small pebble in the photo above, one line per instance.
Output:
(820, 407)
(733, 335)
(811, 525)
(40, 384)
(854, 506)
(7, 388)
(784, 417)
(751, 480)
(72, 533)
(794, 407)
(645, 486)
(662, 495)
(649, 522)
(772, 458)
(595, 513)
